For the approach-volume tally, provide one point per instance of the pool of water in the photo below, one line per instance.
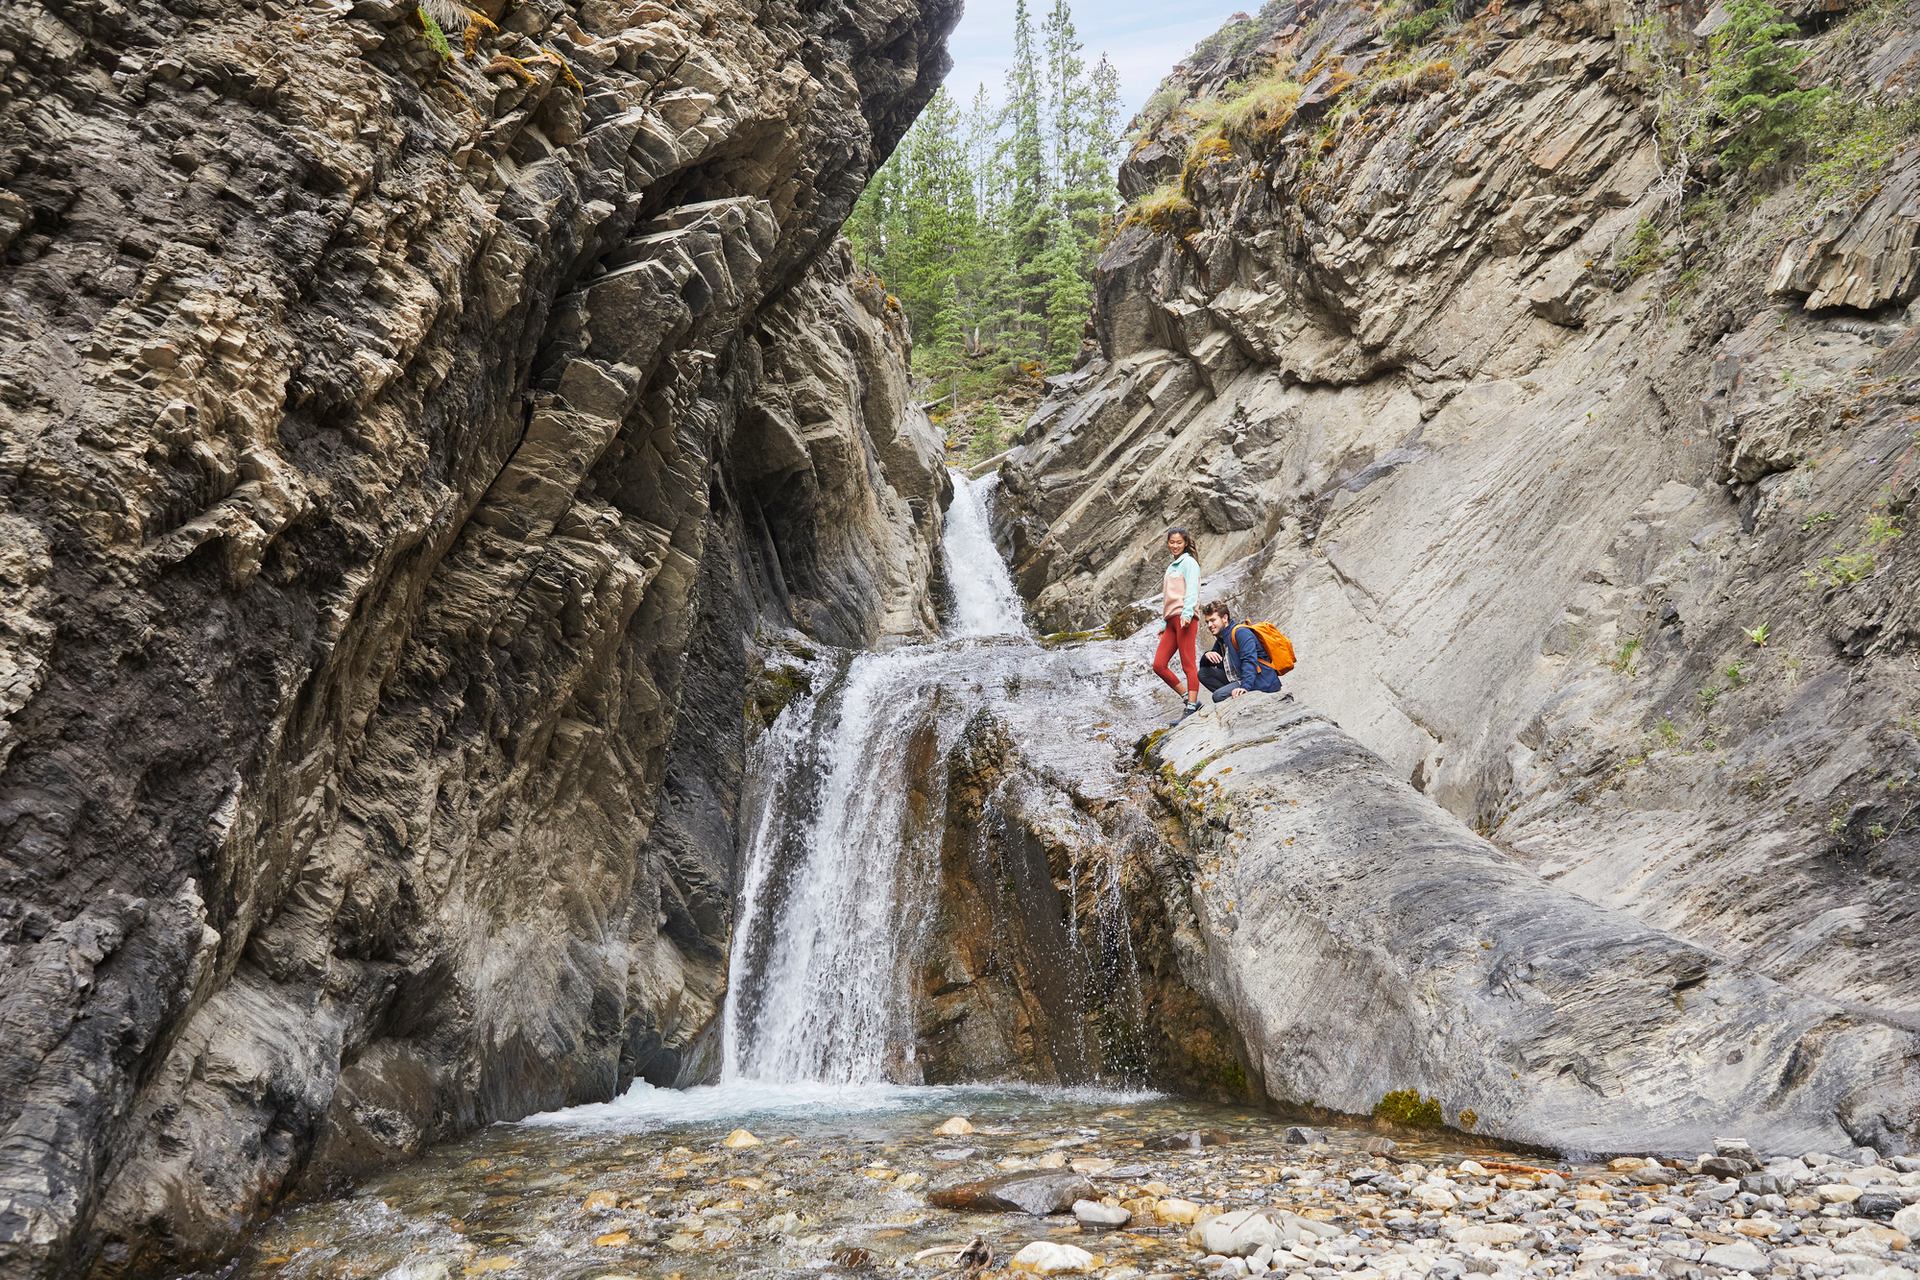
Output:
(646, 1185)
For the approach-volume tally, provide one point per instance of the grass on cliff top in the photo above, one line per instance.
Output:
(1258, 112)
(1165, 209)
(1250, 113)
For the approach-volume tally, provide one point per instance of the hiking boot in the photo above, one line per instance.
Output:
(1190, 709)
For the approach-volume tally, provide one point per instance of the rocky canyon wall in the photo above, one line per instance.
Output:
(399, 453)
(1586, 505)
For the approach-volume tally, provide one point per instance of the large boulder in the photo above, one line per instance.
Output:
(1365, 942)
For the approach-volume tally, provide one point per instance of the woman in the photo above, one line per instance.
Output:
(1180, 625)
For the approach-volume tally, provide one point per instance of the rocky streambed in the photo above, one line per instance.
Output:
(752, 1181)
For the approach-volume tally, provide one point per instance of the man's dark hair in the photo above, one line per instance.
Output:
(1216, 607)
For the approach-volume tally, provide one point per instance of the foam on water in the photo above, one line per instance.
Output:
(643, 1106)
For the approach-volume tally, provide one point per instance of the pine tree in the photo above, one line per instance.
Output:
(1753, 88)
(1103, 131)
(1066, 98)
(937, 221)
(985, 222)
(1063, 267)
(982, 261)
(1028, 193)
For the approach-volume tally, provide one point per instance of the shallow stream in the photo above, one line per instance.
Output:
(645, 1185)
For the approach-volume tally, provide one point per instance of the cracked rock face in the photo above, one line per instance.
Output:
(397, 457)
(1614, 568)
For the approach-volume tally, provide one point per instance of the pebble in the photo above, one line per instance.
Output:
(1494, 1233)
(1101, 1217)
(1038, 1193)
(1244, 1233)
(955, 1127)
(1739, 1256)
(1175, 1211)
(1265, 1204)
(1047, 1258)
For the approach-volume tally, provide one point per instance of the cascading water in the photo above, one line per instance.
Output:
(984, 601)
(832, 899)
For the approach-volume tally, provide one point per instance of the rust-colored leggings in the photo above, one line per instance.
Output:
(1183, 634)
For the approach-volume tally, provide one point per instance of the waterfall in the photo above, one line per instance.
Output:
(984, 601)
(833, 888)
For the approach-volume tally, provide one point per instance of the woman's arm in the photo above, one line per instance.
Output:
(1190, 570)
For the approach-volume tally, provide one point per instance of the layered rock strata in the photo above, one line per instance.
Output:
(399, 453)
(1364, 942)
(1587, 507)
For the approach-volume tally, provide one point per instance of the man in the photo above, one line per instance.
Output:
(1238, 662)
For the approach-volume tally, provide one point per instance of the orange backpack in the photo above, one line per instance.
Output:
(1279, 648)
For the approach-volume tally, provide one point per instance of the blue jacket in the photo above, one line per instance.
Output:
(1245, 657)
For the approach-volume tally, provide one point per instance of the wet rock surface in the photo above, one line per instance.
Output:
(1035, 1193)
(848, 1193)
(398, 455)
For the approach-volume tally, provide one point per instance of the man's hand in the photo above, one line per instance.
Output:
(1237, 692)
(1210, 656)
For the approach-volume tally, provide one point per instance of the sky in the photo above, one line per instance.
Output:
(1144, 38)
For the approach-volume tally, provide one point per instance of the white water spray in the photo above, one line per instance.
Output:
(834, 887)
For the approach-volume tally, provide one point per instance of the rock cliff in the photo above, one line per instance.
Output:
(1586, 506)
(400, 451)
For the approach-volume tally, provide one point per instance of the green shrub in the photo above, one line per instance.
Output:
(1741, 100)
(1846, 569)
(1644, 250)
(1158, 108)
(1231, 41)
(1417, 30)
(1855, 141)
(1882, 529)
(435, 36)
(1752, 88)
